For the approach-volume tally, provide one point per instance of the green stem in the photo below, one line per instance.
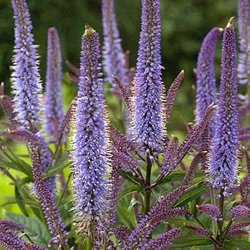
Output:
(65, 189)
(214, 223)
(203, 226)
(220, 222)
(148, 184)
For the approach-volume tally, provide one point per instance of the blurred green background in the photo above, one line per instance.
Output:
(184, 25)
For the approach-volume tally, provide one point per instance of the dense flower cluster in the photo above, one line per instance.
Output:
(90, 145)
(148, 120)
(53, 91)
(205, 76)
(25, 78)
(223, 161)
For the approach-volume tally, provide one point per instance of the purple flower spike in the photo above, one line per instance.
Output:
(205, 78)
(89, 142)
(10, 241)
(244, 41)
(148, 121)
(50, 210)
(198, 230)
(223, 160)
(25, 78)
(239, 211)
(211, 210)
(114, 60)
(53, 91)
(162, 241)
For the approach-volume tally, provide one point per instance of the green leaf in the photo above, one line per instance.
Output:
(58, 167)
(193, 192)
(129, 177)
(18, 165)
(18, 194)
(174, 176)
(179, 175)
(237, 243)
(20, 201)
(34, 228)
(191, 241)
(129, 190)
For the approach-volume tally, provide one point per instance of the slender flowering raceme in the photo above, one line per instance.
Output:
(211, 210)
(90, 145)
(244, 41)
(162, 241)
(50, 210)
(205, 77)
(33, 140)
(223, 159)
(53, 91)
(13, 242)
(25, 78)
(148, 121)
(239, 211)
(114, 61)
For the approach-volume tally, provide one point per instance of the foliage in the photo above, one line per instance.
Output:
(107, 174)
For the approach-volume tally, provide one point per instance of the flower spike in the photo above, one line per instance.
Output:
(53, 91)
(148, 121)
(89, 154)
(162, 241)
(211, 210)
(223, 159)
(172, 91)
(26, 83)
(244, 41)
(205, 76)
(51, 212)
(114, 59)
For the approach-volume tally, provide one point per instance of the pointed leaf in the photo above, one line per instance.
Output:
(190, 241)
(34, 228)
(58, 167)
(193, 192)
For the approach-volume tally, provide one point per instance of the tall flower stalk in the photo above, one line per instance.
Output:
(26, 83)
(223, 160)
(53, 91)
(114, 60)
(90, 145)
(244, 41)
(148, 121)
(205, 76)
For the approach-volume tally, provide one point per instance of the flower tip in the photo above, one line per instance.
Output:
(212, 106)
(1, 88)
(88, 30)
(220, 29)
(182, 73)
(52, 30)
(230, 22)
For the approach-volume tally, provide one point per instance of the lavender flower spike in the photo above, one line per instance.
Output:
(89, 142)
(244, 41)
(205, 78)
(223, 159)
(114, 60)
(53, 90)
(148, 121)
(162, 241)
(26, 83)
